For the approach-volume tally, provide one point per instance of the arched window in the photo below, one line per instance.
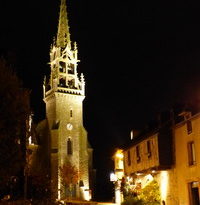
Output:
(71, 113)
(69, 147)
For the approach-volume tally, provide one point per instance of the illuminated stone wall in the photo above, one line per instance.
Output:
(187, 173)
(168, 186)
(58, 108)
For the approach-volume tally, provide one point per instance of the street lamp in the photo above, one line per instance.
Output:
(118, 174)
(113, 177)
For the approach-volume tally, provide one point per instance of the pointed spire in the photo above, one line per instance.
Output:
(63, 35)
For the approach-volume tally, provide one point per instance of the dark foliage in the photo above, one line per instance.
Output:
(14, 112)
(39, 187)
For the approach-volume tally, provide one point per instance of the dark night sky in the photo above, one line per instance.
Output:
(138, 58)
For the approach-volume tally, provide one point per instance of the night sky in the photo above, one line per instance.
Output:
(138, 57)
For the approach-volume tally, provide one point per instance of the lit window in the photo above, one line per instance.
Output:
(138, 154)
(69, 147)
(189, 126)
(149, 149)
(129, 158)
(191, 153)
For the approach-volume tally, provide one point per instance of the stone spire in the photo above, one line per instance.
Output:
(63, 35)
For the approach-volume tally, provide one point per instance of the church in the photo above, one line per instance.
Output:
(62, 132)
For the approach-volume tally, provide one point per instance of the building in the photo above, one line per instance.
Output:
(62, 132)
(168, 155)
(187, 156)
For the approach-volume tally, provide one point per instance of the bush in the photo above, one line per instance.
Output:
(150, 194)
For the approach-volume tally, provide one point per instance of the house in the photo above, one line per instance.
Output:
(187, 158)
(169, 155)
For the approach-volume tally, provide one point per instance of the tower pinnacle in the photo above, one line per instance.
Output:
(63, 35)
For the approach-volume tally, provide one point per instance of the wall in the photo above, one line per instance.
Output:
(185, 172)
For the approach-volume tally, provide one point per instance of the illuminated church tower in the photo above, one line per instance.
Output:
(64, 93)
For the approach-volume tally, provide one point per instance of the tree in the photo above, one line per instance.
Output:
(39, 187)
(14, 112)
(69, 176)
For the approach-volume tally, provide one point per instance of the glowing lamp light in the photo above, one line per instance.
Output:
(117, 197)
(119, 155)
(59, 189)
(138, 174)
(30, 140)
(149, 178)
(113, 177)
(164, 184)
(87, 194)
(131, 134)
(129, 179)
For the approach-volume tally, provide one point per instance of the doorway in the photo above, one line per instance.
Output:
(194, 193)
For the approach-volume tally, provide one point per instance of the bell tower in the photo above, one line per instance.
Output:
(64, 93)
